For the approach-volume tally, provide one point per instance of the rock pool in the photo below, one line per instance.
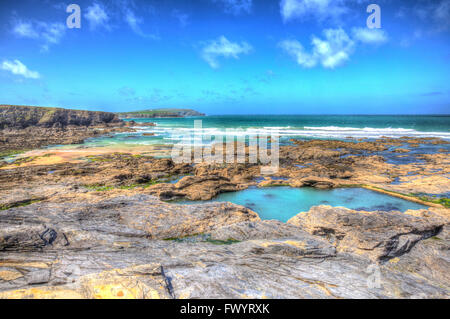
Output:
(282, 203)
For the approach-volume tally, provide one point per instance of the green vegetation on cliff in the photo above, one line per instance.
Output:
(19, 116)
(160, 113)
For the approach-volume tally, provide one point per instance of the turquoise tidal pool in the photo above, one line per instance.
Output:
(282, 203)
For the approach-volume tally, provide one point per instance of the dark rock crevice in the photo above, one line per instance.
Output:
(403, 243)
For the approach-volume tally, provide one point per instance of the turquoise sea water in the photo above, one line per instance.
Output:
(396, 123)
(176, 130)
(282, 203)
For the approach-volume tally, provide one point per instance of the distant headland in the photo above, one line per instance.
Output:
(155, 113)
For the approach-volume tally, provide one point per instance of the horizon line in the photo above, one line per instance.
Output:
(242, 114)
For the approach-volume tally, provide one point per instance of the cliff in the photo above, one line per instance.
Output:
(160, 113)
(19, 117)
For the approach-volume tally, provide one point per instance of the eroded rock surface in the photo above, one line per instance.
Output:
(139, 247)
(380, 236)
(19, 117)
(97, 228)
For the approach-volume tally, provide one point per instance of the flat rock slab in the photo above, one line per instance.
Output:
(139, 247)
(378, 235)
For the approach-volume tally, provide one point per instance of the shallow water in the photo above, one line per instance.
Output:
(176, 130)
(282, 203)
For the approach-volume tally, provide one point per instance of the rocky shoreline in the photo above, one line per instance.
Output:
(105, 226)
(52, 126)
(131, 246)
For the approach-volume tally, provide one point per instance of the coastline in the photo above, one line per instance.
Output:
(244, 154)
(383, 146)
(115, 202)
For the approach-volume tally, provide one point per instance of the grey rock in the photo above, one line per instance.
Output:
(135, 247)
(39, 277)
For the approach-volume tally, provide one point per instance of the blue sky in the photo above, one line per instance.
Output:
(228, 56)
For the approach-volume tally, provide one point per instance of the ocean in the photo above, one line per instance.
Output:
(173, 130)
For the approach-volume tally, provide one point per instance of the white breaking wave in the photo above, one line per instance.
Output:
(366, 129)
(369, 132)
(307, 131)
(171, 134)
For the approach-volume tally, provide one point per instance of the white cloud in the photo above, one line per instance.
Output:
(223, 48)
(133, 21)
(183, 18)
(97, 16)
(135, 24)
(316, 9)
(438, 12)
(18, 68)
(435, 15)
(47, 33)
(236, 7)
(25, 30)
(330, 52)
(296, 50)
(371, 36)
(53, 32)
(442, 11)
(127, 10)
(434, 18)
